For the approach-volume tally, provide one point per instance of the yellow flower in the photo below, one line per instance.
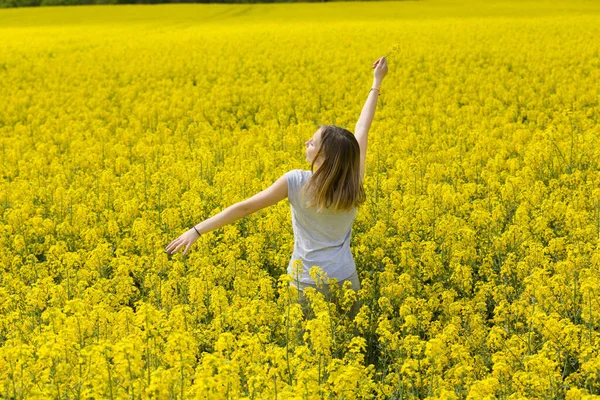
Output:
(392, 50)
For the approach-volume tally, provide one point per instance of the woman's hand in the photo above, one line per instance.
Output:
(380, 68)
(187, 239)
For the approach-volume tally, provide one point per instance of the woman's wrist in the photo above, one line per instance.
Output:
(196, 229)
(377, 83)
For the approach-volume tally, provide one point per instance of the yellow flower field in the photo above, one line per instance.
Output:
(478, 248)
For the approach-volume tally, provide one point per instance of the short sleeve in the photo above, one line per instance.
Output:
(293, 181)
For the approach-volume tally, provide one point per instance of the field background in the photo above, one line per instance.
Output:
(478, 248)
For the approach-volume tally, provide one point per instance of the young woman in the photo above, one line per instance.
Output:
(323, 200)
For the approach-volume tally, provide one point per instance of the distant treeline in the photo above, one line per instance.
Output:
(33, 3)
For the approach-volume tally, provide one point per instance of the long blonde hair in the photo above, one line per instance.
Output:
(337, 184)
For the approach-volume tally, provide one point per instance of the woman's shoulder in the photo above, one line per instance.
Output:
(299, 174)
(304, 175)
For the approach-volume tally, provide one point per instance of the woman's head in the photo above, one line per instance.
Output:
(336, 182)
(312, 147)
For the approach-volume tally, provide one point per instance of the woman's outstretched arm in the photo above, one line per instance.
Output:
(271, 195)
(366, 116)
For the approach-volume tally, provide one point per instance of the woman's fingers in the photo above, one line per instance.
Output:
(379, 60)
(178, 247)
(178, 243)
(185, 251)
(172, 244)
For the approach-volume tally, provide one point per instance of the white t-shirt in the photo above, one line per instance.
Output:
(319, 239)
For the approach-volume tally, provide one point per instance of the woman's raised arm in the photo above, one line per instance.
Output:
(366, 116)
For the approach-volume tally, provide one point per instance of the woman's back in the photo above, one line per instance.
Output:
(321, 239)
